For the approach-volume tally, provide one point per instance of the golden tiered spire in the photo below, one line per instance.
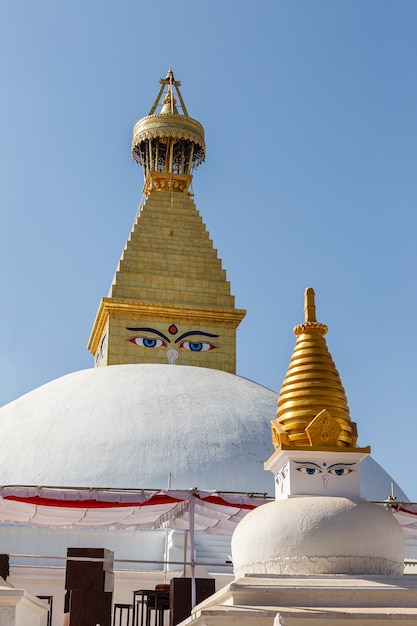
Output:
(169, 301)
(312, 405)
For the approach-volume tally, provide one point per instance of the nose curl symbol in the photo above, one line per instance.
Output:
(325, 479)
(172, 356)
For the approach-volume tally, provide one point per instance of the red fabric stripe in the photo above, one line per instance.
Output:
(218, 500)
(103, 504)
(402, 509)
(92, 504)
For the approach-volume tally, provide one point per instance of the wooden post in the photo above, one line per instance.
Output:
(89, 586)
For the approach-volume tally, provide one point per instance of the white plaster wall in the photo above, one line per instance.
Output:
(126, 544)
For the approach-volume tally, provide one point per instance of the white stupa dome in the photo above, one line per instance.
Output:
(318, 535)
(139, 426)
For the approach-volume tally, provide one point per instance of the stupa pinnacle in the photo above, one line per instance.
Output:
(169, 143)
(169, 301)
(319, 523)
(312, 404)
(313, 434)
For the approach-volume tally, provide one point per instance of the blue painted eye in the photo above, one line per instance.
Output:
(197, 346)
(309, 470)
(340, 471)
(148, 343)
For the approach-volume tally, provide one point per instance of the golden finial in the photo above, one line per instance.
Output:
(310, 323)
(168, 145)
(312, 385)
(309, 305)
(169, 103)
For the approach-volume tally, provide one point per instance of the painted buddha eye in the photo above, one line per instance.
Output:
(340, 471)
(196, 346)
(309, 470)
(148, 343)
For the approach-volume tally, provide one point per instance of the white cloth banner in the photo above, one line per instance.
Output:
(214, 512)
(85, 508)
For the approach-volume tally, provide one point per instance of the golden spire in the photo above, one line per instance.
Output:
(312, 405)
(169, 301)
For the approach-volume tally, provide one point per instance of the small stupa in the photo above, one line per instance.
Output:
(318, 522)
(319, 553)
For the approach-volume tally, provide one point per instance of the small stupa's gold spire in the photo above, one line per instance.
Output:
(309, 305)
(312, 405)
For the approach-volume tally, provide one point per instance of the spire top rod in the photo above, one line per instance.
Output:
(309, 305)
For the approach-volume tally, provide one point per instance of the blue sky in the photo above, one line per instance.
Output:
(309, 109)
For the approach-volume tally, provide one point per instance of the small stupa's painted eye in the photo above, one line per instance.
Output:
(309, 470)
(340, 471)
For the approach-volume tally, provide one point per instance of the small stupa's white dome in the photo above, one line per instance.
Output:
(318, 535)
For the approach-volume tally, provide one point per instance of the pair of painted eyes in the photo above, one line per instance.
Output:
(192, 346)
(337, 471)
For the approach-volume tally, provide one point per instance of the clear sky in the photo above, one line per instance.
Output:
(309, 109)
